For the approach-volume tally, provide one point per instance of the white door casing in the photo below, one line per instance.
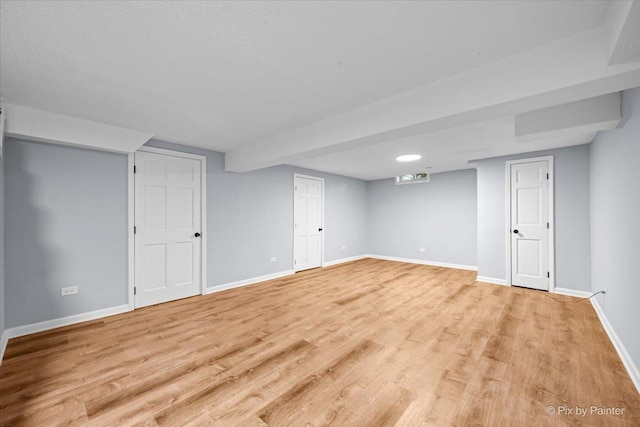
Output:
(529, 217)
(168, 227)
(308, 209)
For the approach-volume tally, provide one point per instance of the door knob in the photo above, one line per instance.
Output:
(319, 229)
(515, 231)
(198, 234)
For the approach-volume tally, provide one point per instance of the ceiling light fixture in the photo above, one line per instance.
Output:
(408, 157)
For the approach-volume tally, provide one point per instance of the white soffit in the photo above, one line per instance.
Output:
(623, 26)
(32, 124)
(586, 116)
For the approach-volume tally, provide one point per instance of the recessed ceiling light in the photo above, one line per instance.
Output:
(408, 157)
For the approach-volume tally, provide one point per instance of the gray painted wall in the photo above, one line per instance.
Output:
(65, 225)
(615, 235)
(250, 218)
(59, 233)
(572, 254)
(439, 216)
(2, 298)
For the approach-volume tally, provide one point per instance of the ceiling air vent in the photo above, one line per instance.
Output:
(412, 179)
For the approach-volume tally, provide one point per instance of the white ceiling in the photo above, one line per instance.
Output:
(445, 150)
(240, 77)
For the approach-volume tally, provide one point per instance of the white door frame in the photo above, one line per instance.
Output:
(293, 232)
(131, 216)
(551, 217)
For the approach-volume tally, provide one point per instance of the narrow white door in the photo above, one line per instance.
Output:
(529, 225)
(168, 225)
(307, 226)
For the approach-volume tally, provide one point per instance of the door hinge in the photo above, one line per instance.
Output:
(547, 176)
(295, 262)
(295, 188)
(547, 226)
(134, 168)
(548, 275)
(135, 229)
(134, 290)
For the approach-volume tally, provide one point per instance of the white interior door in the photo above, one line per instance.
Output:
(307, 218)
(168, 228)
(529, 225)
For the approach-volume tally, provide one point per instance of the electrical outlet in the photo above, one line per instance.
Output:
(422, 250)
(71, 290)
(274, 259)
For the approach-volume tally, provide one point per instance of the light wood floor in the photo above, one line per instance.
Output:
(369, 343)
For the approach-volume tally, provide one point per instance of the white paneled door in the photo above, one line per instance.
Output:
(168, 240)
(307, 222)
(529, 224)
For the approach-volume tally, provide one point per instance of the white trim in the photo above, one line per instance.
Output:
(247, 282)
(172, 153)
(130, 236)
(203, 223)
(424, 262)
(492, 280)
(551, 216)
(4, 340)
(33, 328)
(203, 216)
(293, 258)
(627, 361)
(343, 260)
(572, 292)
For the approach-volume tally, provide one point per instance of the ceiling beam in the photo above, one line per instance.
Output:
(37, 125)
(580, 117)
(565, 71)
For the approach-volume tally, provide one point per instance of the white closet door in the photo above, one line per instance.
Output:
(168, 228)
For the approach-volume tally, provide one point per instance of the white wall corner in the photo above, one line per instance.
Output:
(627, 361)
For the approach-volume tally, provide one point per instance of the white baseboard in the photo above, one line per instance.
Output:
(343, 260)
(572, 292)
(3, 344)
(423, 262)
(247, 282)
(628, 363)
(492, 280)
(33, 328)
(19, 331)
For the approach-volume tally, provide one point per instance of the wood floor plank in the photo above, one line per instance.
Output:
(369, 342)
